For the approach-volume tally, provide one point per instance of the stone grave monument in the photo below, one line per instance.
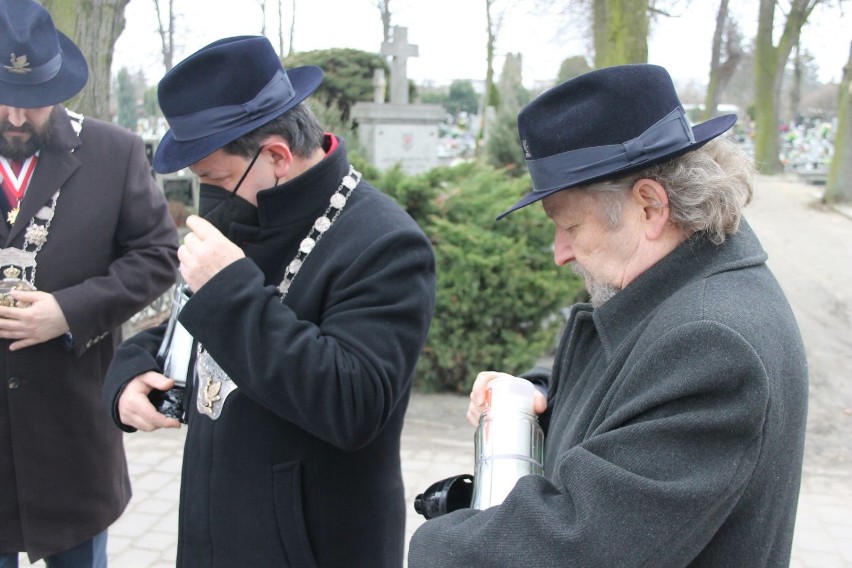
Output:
(398, 131)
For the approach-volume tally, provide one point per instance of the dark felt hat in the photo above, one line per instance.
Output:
(42, 66)
(605, 124)
(223, 91)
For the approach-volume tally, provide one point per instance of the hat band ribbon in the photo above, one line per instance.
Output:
(275, 95)
(666, 136)
(34, 75)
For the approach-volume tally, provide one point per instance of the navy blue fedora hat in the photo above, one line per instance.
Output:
(223, 91)
(42, 66)
(605, 124)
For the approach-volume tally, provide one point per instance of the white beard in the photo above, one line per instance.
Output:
(599, 292)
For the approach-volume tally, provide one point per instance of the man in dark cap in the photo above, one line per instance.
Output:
(86, 241)
(312, 294)
(675, 410)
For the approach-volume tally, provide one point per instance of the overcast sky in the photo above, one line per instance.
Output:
(450, 34)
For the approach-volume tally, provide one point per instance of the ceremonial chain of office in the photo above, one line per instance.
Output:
(215, 384)
(321, 225)
(18, 261)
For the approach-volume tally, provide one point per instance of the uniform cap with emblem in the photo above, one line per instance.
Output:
(605, 124)
(39, 65)
(223, 91)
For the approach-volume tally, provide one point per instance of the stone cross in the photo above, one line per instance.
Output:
(400, 50)
(379, 86)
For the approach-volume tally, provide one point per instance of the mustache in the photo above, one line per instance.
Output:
(26, 128)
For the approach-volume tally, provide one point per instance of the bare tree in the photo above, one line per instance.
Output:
(281, 28)
(726, 43)
(166, 30)
(839, 184)
(384, 11)
(262, 17)
(290, 49)
(493, 22)
(796, 87)
(95, 31)
(491, 98)
(292, 27)
(770, 60)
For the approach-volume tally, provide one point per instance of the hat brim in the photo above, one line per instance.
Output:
(68, 81)
(173, 155)
(703, 133)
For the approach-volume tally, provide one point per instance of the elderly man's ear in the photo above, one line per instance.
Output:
(654, 202)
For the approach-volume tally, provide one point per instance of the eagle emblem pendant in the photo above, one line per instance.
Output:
(214, 386)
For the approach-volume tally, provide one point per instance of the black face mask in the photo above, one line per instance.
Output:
(222, 207)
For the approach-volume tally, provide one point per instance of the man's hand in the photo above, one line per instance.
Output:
(41, 321)
(134, 408)
(205, 251)
(480, 387)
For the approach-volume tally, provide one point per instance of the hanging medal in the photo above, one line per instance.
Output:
(14, 185)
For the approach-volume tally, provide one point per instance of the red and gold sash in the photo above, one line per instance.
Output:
(15, 183)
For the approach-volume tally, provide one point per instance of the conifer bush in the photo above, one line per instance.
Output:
(499, 294)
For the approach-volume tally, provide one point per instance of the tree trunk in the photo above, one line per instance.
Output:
(280, 29)
(769, 63)
(167, 33)
(796, 87)
(839, 185)
(620, 28)
(384, 11)
(600, 39)
(291, 51)
(711, 100)
(491, 99)
(491, 96)
(94, 25)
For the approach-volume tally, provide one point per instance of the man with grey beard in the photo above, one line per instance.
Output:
(86, 241)
(675, 410)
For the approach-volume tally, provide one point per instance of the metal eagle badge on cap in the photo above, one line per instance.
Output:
(19, 64)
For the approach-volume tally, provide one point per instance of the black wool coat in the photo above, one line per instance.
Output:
(674, 432)
(111, 250)
(302, 468)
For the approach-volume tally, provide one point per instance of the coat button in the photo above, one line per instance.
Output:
(14, 382)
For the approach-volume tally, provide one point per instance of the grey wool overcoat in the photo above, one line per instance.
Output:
(675, 430)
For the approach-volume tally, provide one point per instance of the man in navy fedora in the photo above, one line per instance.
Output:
(675, 409)
(86, 241)
(312, 294)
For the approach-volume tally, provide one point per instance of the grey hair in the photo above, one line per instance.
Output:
(298, 126)
(707, 189)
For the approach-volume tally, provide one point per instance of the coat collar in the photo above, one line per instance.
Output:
(305, 197)
(696, 258)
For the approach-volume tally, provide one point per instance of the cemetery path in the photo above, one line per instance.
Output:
(810, 252)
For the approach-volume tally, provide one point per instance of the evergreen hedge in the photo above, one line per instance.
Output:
(499, 294)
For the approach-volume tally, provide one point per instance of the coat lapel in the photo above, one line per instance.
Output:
(55, 165)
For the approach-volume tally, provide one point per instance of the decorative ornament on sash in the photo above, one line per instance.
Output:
(18, 266)
(215, 385)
